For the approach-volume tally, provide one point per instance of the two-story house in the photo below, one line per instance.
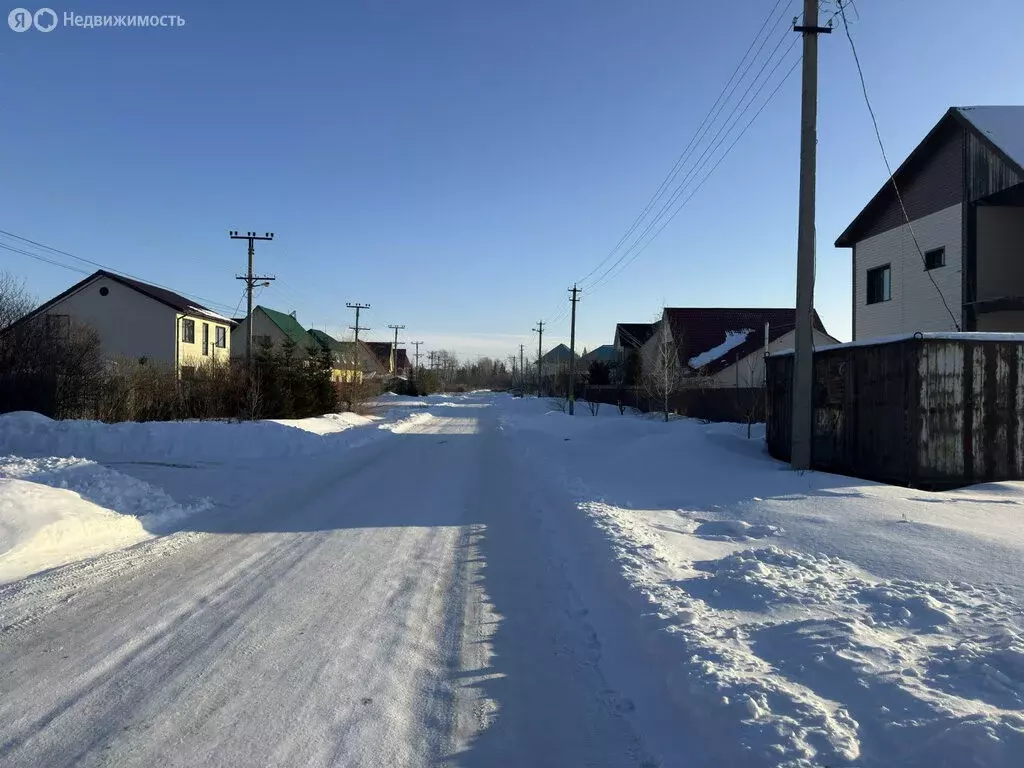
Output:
(947, 253)
(142, 322)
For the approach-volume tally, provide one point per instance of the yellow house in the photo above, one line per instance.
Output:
(143, 322)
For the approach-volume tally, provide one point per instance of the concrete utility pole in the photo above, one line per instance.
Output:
(417, 345)
(250, 281)
(572, 349)
(803, 358)
(539, 330)
(394, 349)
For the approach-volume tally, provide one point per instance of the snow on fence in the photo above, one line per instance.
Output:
(930, 412)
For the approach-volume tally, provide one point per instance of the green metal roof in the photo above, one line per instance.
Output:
(288, 325)
(325, 341)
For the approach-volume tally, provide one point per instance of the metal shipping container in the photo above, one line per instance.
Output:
(931, 411)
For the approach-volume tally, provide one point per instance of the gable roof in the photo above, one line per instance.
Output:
(558, 354)
(716, 337)
(606, 353)
(165, 296)
(633, 335)
(1001, 128)
(382, 351)
(288, 325)
(324, 340)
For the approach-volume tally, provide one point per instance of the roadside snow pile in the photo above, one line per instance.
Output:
(799, 659)
(328, 424)
(57, 510)
(30, 434)
(805, 619)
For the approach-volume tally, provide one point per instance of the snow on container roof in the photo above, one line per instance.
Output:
(940, 335)
(1003, 126)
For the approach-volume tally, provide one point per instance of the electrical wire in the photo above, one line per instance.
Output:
(43, 259)
(888, 166)
(59, 252)
(697, 137)
(608, 276)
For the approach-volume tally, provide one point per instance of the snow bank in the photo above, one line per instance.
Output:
(57, 510)
(805, 619)
(30, 434)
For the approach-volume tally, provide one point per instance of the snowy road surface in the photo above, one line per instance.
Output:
(345, 615)
(478, 580)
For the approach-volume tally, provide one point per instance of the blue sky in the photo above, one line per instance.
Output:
(459, 164)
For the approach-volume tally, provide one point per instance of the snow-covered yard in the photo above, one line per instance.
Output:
(608, 590)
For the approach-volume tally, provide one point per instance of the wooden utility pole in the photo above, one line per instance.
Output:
(539, 330)
(522, 370)
(417, 345)
(357, 328)
(572, 349)
(803, 358)
(250, 282)
(394, 350)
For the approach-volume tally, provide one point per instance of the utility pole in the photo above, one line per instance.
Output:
(539, 330)
(417, 345)
(572, 349)
(394, 349)
(357, 328)
(250, 281)
(803, 358)
(522, 370)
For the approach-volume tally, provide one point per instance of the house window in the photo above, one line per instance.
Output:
(935, 259)
(206, 338)
(221, 339)
(879, 284)
(188, 331)
(263, 341)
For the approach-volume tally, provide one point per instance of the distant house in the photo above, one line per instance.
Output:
(141, 322)
(557, 358)
(606, 353)
(352, 362)
(725, 346)
(631, 336)
(962, 189)
(382, 351)
(271, 327)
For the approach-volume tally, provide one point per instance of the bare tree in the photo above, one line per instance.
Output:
(663, 375)
(15, 300)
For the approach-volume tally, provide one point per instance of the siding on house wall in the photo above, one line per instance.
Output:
(915, 304)
(262, 326)
(1001, 322)
(749, 372)
(937, 184)
(129, 324)
(192, 354)
(1000, 252)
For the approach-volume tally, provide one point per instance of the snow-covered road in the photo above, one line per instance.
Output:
(409, 603)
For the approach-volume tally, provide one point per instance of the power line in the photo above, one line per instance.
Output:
(607, 276)
(706, 156)
(888, 167)
(43, 259)
(698, 135)
(97, 264)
